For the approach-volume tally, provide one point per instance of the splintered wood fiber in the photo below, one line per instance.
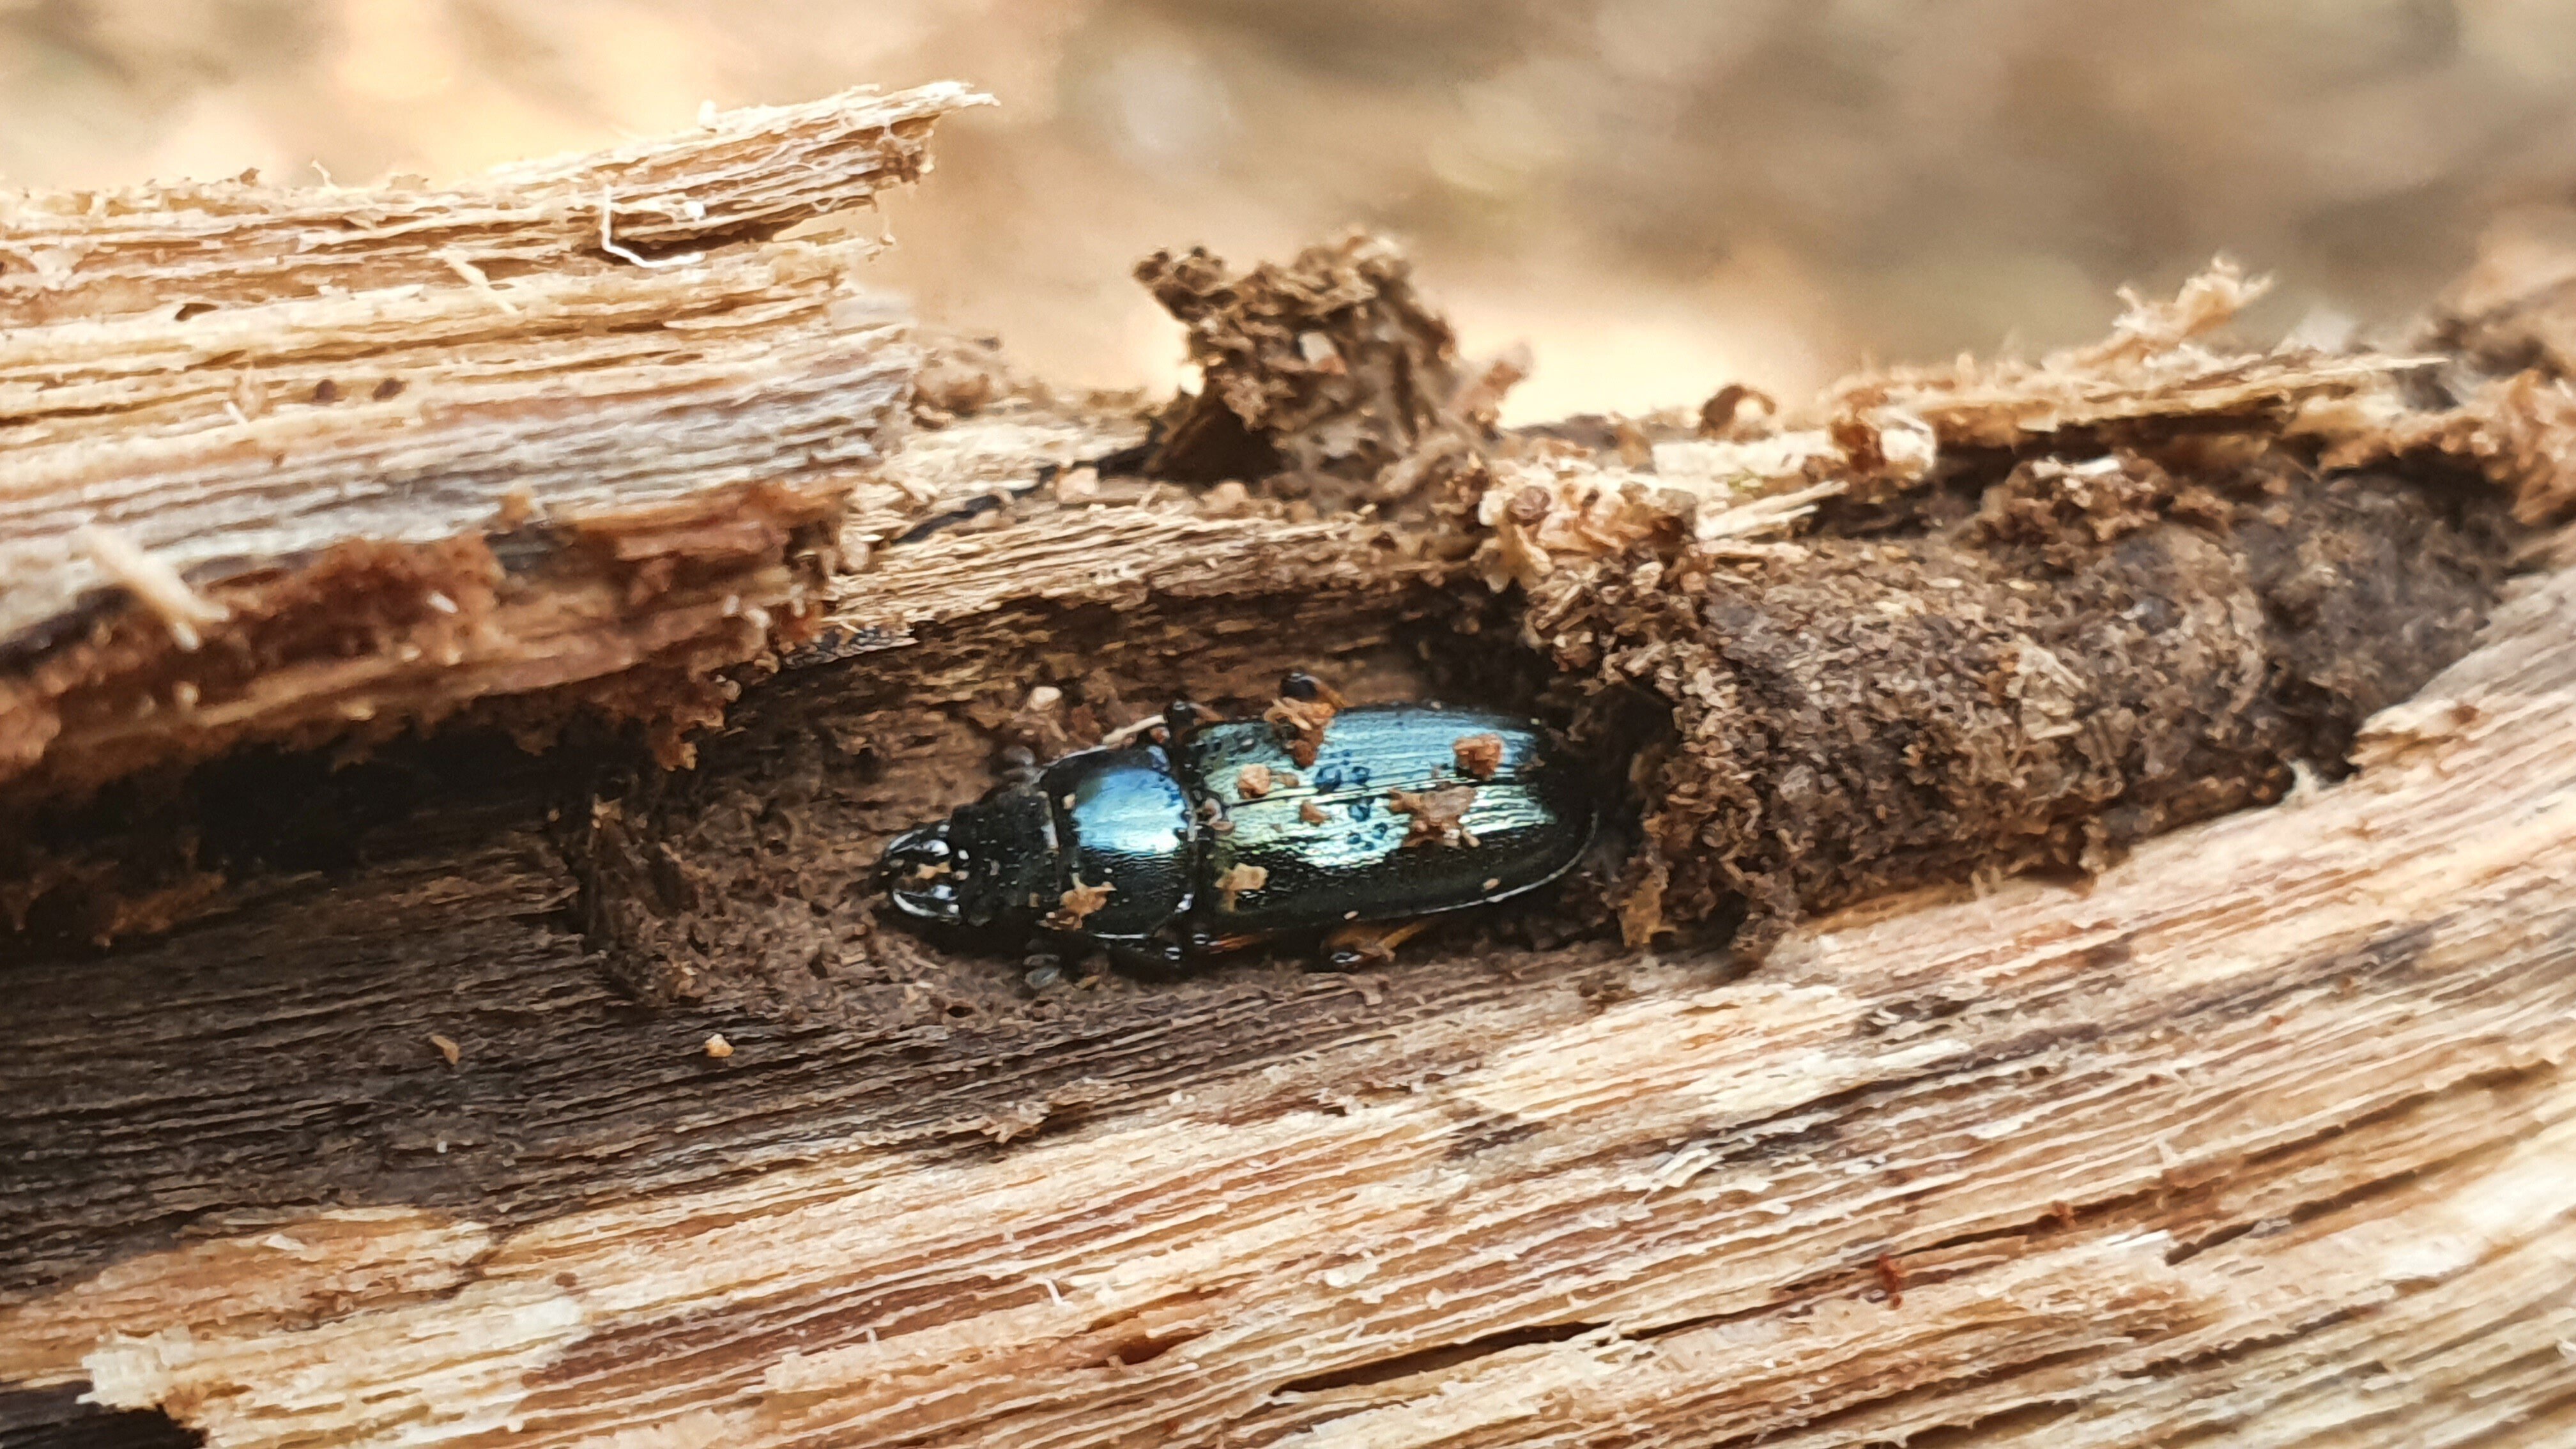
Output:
(297, 465)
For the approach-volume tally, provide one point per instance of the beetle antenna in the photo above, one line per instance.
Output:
(1306, 689)
(1126, 732)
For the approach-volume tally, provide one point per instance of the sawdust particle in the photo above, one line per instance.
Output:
(1078, 904)
(1436, 814)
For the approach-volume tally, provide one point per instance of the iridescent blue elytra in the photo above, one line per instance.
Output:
(1219, 837)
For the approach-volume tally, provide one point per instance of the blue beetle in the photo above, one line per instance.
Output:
(1350, 823)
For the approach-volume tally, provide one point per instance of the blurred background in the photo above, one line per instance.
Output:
(1658, 195)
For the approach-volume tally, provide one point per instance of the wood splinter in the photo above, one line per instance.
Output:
(152, 581)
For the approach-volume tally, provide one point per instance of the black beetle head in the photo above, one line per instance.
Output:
(919, 874)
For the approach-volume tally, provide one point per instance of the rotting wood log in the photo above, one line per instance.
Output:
(385, 1103)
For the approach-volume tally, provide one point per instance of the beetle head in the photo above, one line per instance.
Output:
(920, 876)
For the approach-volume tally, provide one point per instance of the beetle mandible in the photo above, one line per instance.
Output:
(1319, 819)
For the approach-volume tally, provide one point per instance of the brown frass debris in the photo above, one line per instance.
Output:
(1252, 782)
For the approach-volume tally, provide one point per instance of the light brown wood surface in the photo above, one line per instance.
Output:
(216, 386)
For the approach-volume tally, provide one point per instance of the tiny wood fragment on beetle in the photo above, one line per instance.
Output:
(716, 1046)
(447, 1047)
(1311, 813)
(1301, 724)
(1479, 755)
(1239, 879)
(1436, 814)
(1076, 905)
(1253, 782)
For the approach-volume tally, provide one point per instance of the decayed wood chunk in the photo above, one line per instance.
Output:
(1328, 365)
(397, 449)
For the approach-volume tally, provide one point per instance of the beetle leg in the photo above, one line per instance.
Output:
(1155, 957)
(1305, 688)
(1020, 765)
(1370, 943)
(1183, 718)
(1204, 942)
